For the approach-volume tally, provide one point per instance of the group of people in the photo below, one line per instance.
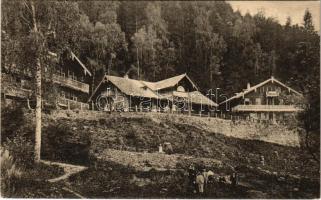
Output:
(200, 178)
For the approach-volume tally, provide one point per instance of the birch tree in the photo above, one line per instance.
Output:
(39, 28)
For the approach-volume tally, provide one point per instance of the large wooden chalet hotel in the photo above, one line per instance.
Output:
(70, 77)
(176, 94)
(269, 100)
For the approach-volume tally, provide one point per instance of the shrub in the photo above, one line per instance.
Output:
(12, 119)
(131, 135)
(21, 149)
(64, 143)
(10, 174)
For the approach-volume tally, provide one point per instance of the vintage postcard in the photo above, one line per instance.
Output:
(160, 99)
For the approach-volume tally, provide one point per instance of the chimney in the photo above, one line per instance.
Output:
(248, 86)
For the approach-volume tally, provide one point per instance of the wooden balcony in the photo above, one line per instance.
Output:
(272, 94)
(266, 108)
(73, 84)
(72, 105)
(15, 91)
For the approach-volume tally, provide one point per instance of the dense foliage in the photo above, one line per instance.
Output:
(216, 46)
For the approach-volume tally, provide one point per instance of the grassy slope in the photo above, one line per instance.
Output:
(142, 133)
(137, 133)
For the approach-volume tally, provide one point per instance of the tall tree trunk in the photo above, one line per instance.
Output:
(38, 93)
(109, 65)
(211, 68)
(137, 58)
(153, 61)
(93, 81)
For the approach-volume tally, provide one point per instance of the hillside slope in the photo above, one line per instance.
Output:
(120, 151)
(137, 132)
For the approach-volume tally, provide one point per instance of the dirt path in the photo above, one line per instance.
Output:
(74, 193)
(69, 170)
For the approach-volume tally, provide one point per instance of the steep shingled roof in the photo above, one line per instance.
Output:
(131, 87)
(147, 89)
(199, 98)
(195, 97)
(170, 82)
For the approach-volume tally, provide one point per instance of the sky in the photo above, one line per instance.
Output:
(280, 10)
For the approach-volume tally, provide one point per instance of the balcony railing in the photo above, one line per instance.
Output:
(68, 82)
(266, 108)
(11, 89)
(272, 94)
(72, 105)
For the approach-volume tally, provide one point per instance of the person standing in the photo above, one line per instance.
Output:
(160, 148)
(234, 178)
(200, 183)
(191, 179)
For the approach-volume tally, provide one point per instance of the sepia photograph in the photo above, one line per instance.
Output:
(160, 99)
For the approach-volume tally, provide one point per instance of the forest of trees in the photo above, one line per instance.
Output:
(216, 46)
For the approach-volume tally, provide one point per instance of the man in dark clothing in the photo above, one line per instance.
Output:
(191, 179)
(234, 178)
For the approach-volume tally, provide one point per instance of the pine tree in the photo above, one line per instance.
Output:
(308, 24)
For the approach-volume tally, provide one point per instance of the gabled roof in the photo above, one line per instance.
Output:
(131, 87)
(147, 89)
(272, 79)
(128, 86)
(86, 71)
(170, 82)
(73, 56)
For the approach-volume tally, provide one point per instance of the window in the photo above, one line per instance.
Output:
(247, 101)
(72, 96)
(258, 101)
(74, 76)
(281, 102)
(68, 95)
(61, 72)
(62, 94)
(18, 82)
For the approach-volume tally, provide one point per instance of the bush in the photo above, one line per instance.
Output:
(10, 174)
(64, 143)
(12, 119)
(21, 149)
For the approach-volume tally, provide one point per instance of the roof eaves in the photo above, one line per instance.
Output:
(103, 80)
(194, 85)
(81, 64)
(279, 82)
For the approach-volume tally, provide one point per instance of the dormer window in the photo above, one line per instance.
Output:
(180, 89)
